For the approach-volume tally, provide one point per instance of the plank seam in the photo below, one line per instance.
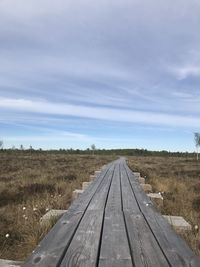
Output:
(102, 227)
(66, 248)
(126, 228)
(147, 220)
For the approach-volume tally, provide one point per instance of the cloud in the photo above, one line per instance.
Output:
(101, 113)
(186, 71)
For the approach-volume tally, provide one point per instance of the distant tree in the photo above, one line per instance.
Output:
(21, 147)
(1, 144)
(93, 148)
(197, 142)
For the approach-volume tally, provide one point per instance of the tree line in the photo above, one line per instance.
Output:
(117, 152)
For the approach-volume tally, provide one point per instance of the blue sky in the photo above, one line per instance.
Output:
(120, 74)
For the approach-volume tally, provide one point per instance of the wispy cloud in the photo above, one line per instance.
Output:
(135, 116)
(185, 72)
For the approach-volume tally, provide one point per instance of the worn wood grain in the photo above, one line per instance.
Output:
(114, 202)
(173, 246)
(144, 248)
(83, 250)
(128, 199)
(114, 247)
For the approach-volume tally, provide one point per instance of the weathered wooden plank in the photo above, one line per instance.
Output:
(114, 249)
(114, 199)
(83, 249)
(128, 199)
(53, 247)
(99, 199)
(144, 248)
(173, 246)
(81, 203)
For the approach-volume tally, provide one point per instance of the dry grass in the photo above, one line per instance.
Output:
(32, 183)
(179, 180)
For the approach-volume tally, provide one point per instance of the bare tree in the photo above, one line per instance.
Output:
(197, 142)
(1, 144)
(21, 147)
(93, 147)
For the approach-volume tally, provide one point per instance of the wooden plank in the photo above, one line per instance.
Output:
(99, 199)
(83, 249)
(114, 199)
(173, 246)
(81, 203)
(52, 248)
(114, 249)
(128, 199)
(144, 248)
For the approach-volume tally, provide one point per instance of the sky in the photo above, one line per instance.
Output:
(114, 73)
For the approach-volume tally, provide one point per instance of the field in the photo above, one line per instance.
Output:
(178, 179)
(33, 182)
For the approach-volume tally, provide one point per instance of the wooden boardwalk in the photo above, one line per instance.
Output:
(113, 224)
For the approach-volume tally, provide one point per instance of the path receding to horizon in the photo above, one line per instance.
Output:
(113, 223)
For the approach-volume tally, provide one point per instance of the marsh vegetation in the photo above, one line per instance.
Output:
(32, 182)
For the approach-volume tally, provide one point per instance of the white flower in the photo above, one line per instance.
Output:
(7, 235)
(47, 209)
(24, 208)
(34, 209)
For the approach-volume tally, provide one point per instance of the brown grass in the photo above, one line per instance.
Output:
(30, 184)
(179, 180)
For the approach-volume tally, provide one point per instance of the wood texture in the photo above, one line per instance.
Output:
(115, 249)
(173, 246)
(83, 250)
